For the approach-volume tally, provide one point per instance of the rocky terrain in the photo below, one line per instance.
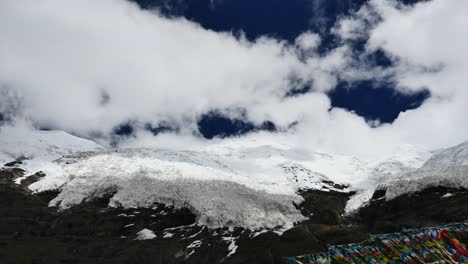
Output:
(32, 232)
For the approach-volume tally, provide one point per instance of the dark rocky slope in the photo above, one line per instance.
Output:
(31, 232)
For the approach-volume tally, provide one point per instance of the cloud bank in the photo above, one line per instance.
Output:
(87, 66)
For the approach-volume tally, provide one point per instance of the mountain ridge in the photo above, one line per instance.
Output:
(232, 183)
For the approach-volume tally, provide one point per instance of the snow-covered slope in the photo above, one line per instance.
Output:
(448, 167)
(38, 147)
(232, 182)
(220, 191)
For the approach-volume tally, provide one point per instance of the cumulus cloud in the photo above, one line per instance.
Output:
(429, 42)
(426, 45)
(87, 66)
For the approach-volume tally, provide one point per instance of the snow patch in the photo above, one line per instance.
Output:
(232, 248)
(195, 244)
(196, 234)
(255, 234)
(168, 235)
(145, 234)
(447, 195)
(358, 200)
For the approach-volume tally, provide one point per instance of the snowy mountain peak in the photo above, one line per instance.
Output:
(39, 147)
(448, 168)
(225, 183)
(457, 155)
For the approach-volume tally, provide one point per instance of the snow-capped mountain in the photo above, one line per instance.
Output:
(234, 182)
(448, 167)
(454, 156)
(38, 147)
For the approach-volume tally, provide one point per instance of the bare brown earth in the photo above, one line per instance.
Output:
(32, 232)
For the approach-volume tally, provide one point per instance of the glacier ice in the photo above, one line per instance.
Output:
(39, 147)
(145, 234)
(447, 167)
(233, 182)
(214, 190)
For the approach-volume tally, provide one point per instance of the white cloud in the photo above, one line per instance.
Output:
(63, 56)
(429, 41)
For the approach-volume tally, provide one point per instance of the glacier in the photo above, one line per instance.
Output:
(447, 167)
(242, 182)
(35, 147)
